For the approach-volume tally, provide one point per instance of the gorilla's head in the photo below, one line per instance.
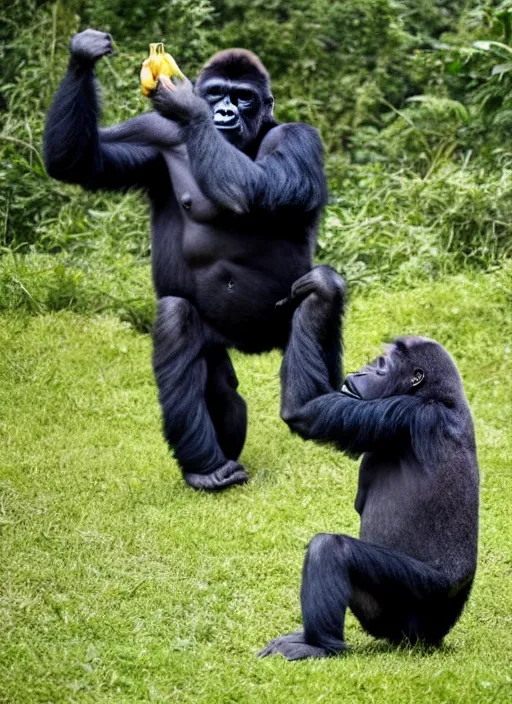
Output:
(237, 87)
(410, 365)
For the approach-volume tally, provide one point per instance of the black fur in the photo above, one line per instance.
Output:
(232, 228)
(286, 177)
(237, 65)
(410, 573)
(73, 149)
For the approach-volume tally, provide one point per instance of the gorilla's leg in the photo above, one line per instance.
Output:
(227, 408)
(393, 595)
(180, 367)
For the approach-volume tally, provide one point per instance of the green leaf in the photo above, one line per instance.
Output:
(501, 69)
(483, 45)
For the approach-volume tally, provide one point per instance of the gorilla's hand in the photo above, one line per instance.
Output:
(178, 101)
(90, 45)
(322, 280)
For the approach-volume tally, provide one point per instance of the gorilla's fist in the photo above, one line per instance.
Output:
(90, 45)
(321, 280)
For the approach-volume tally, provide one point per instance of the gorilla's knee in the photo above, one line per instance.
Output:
(319, 545)
(287, 416)
(174, 318)
(292, 419)
(174, 308)
(327, 546)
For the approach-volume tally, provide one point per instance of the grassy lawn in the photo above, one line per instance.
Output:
(118, 584)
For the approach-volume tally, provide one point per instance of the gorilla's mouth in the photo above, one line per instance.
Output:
(349, 389)
(226, 122)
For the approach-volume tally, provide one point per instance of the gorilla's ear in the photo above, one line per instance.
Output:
(417, 377)
(269, 104)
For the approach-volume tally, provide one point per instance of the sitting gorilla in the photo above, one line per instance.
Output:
(235, 199)
(410, 573)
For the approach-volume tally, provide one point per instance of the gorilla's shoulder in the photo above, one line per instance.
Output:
(295, 129)
(292, 133)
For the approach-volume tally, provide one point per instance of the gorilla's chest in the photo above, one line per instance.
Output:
(208, 233)
(193, 202)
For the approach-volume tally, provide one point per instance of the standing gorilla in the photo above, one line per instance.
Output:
(235, 200)
(410, 573)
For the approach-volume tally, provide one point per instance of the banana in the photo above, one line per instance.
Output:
(170, 68)
(158, 63)
(146, 78)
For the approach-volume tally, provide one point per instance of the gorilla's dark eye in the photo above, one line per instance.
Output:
(214, 94)
(244, 96)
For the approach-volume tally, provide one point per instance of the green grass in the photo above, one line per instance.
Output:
(121, 585)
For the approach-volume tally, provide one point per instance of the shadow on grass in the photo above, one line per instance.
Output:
(405, 649)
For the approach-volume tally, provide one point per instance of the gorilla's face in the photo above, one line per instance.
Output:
(237, 109)
(391, 374)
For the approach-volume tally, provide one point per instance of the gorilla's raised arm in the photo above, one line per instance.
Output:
(147, 130)
(75, 150)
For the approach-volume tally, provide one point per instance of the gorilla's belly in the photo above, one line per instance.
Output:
(239, 302)
(204, 245)
(238, 278)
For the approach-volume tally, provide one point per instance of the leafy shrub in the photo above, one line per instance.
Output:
(406, 228)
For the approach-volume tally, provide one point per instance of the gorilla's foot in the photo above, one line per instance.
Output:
(229, 474)
(294, 647)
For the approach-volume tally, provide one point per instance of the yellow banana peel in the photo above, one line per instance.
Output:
(158, 63)
(147, 80)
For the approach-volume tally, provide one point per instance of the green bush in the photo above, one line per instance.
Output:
(403, 228)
